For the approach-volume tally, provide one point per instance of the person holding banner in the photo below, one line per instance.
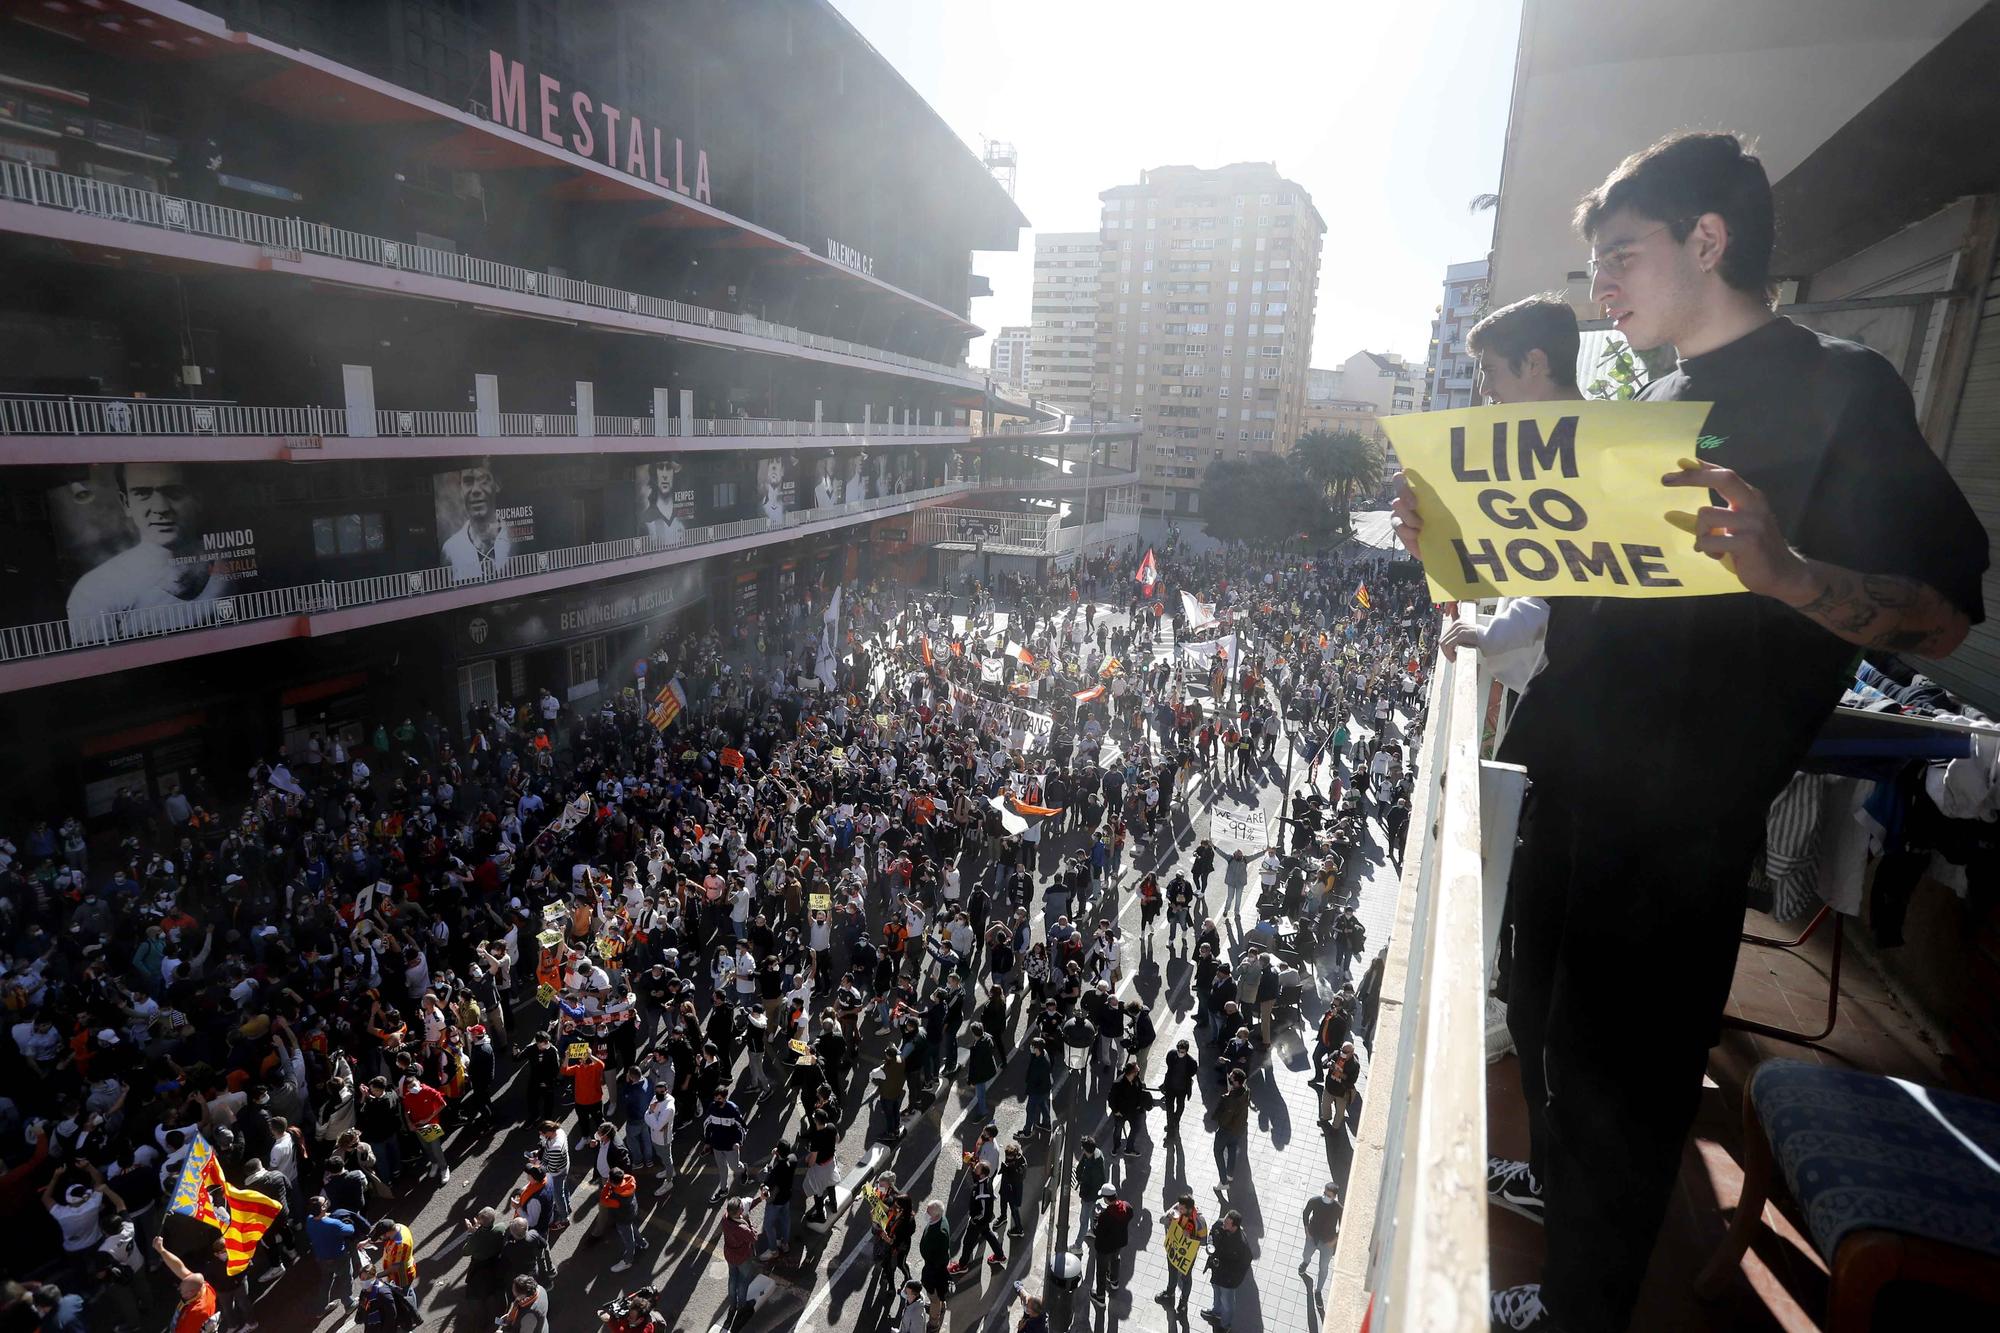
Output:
(1663, 726)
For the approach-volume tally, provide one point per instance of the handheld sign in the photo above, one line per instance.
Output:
(1555, 499)
(820, 902)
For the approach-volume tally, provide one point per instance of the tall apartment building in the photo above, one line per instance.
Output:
(350, 377)
(1010, 356)
(1204, 318)
(1062, 321)
(1448, 375)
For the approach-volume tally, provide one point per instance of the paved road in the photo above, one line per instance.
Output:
(834, 1285)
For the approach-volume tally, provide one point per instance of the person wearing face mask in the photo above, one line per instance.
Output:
(1321, 1220)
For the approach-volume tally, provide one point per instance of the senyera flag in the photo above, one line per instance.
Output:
(244, 1215)
(667, 705)
(1148, 572)
(250, 1216)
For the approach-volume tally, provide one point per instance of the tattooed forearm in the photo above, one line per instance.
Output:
(1883, 611)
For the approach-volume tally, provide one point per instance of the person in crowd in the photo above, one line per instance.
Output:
(435, 938)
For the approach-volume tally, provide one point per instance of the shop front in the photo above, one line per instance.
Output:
(576, 644)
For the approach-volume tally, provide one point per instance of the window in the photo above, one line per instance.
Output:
(347, 534)
(724, 495)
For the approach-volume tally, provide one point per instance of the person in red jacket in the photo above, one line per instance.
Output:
(739, 1246)
(422, 1105)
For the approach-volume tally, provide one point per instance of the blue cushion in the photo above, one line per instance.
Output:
(1862, 1152)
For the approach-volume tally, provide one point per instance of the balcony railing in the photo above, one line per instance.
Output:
(51, 637)
(1413, 1246)
(122, 203)
(57, 414)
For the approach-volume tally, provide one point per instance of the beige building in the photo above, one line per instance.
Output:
(1062, 323)
(1387, 381)
(1010, 356)
(1343, 414)
(1205, 317)
(1449, 370)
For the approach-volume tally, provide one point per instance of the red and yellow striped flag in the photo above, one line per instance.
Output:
(250, 1216)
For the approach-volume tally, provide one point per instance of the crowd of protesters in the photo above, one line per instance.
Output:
(622, 942)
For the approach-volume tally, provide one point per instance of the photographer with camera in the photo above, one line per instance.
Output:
(633, 1313)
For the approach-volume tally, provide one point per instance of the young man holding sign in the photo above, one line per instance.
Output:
(1663, 727)
(1526, 353)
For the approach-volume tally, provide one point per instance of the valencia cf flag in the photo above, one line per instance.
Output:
(1148, 573)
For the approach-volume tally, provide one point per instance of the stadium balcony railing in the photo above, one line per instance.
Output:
(22, 183)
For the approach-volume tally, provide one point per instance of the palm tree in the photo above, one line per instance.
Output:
(1341, 464)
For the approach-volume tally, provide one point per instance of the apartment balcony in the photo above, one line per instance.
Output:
(96, 215)
(43, 653)
(54, 428)
(1419, 1244)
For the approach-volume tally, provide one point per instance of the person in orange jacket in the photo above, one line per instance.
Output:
(614, 1197)
(589, 1075)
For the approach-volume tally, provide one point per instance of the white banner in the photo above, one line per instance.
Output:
(1242, 831)
(1195, 654)
(1199, 617)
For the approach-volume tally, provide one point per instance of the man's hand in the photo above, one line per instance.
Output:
(1886, 611)
(1744, 530)
(1403, 515)
(1461, 634)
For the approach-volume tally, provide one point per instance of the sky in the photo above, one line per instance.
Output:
(1391, 115)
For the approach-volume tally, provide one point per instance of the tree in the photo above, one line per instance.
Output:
(1264, 500)
(1339, 465)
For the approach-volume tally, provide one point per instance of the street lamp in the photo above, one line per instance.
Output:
(1079, 1035)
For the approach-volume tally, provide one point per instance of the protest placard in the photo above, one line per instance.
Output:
(1557, 499)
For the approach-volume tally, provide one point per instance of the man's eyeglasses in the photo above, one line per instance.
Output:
(1614, 263)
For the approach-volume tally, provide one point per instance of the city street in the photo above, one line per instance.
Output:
(835, 1284)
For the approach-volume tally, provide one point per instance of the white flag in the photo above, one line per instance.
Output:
(832, 615)
(990, 669)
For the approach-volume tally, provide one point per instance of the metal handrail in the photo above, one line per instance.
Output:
(77, 414)
(294, 236)
(50, 637)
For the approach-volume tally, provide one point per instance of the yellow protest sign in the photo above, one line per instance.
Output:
(1556, 500)
(1182, 1247)
(549, 939)
(820, 902)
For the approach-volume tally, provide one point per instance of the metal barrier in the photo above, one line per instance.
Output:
(60, 414)
(1413, 1244)
(50, 637)
(296, 236)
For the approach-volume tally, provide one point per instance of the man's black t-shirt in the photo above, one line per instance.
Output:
(1699, 708)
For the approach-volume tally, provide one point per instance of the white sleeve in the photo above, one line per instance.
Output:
(1511, 642)
(1519, 622)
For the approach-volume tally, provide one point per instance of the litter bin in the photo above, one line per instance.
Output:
(1064, 1277)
